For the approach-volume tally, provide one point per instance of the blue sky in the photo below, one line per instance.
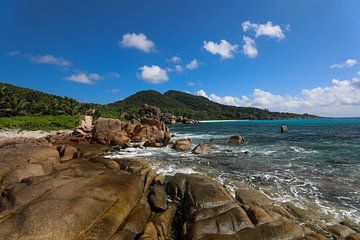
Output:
(299, 56)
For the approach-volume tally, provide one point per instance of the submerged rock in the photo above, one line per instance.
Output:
(183, 145)
(235, 140)
(201, 148)
(284, 129)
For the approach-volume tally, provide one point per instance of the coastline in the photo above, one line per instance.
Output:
(188, 205)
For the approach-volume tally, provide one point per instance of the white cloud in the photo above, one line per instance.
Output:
(153, 74)
(341, 98)
(175, 59)
(348, 63)
(113, 90)
(138, 41)
(113, 75)
(267, 29)
(87, 78)
(51, 60)
(191, 84)
(13, 54)
(224, 48)
(249, 47)
(193, 64)
(179, 69)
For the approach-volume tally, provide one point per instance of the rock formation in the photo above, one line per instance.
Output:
(284, 129)
(62, 187)
(235, 140)
(183, 145)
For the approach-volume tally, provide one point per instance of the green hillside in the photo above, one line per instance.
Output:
(17, 101)
(197, 107)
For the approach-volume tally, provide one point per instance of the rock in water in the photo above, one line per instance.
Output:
(202, 148)
(183, 145)
(284, 129)
(235, 140)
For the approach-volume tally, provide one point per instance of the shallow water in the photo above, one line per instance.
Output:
(318, 161)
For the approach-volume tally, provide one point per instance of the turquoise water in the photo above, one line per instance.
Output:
(317, 161)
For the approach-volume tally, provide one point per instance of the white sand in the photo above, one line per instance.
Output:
(15, 133)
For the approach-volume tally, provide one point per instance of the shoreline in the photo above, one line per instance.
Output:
(68, 180)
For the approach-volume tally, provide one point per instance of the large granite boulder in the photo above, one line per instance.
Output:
(183, 145)
(109, 131)
(207, 207)
(23, 160)
(81, 200)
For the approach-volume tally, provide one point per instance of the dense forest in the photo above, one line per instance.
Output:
(17, 101)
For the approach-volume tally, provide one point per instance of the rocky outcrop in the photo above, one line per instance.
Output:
(109, 131)
(183, 145)
(235, 140)
(50, 189)
(284, 129)
(150, 111)
(201, 148)
(207, 208)
(84, 128)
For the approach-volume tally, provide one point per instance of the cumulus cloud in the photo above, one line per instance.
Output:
(267, 29)
(51, 60)
(86, 78)
(348, 63)
(224, 48)
(193, 64)
(175, 59)
(138, 41)
(153, 74)
(341, 98)
(249, 47)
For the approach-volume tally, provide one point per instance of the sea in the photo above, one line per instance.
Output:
(316, 162)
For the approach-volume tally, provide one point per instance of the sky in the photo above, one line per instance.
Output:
(282, 55)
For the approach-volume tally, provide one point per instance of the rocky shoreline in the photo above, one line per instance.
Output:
(62, 187)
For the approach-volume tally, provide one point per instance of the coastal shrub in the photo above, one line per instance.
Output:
(39, 122)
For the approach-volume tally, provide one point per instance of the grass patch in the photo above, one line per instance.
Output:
(39, 122)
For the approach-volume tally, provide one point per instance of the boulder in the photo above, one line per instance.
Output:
(340, 231)
(284, 129)
(109, 131)
(150, 111)
(84, 128)
(248, 195)
(202, 148)
(150, 232)
(21, 161)
(183, 145)
(353, 236)
(157, 197)
(235, 140)
(81, 200)
(164, 221)
(283, 230)
(68, 153)
(207, 207)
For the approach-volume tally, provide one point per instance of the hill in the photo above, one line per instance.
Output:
(17, 101)
(197, 107)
